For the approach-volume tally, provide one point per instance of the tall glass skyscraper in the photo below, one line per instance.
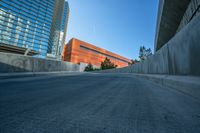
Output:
(63, 30)
(59, 28)
(30, 24)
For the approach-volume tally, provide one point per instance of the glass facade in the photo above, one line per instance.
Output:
(59, 26)
(26, 23)
(63, 29)
(30, 24)
(56, 27)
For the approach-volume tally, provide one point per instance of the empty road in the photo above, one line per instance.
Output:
(95, 103)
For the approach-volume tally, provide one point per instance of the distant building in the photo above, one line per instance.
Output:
(28, 25)
(173, 16)
(77, 51)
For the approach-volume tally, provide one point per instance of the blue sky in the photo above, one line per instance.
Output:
(120, 26)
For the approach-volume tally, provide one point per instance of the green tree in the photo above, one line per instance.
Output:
(89, 67)
(136, 61)
(132, 62)
(107, 64)
(144, 53)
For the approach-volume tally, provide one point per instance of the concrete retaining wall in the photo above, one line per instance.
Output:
(180, 56)
(18, 63)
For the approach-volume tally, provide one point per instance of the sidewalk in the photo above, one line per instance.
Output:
(4, 76)
(189, 85)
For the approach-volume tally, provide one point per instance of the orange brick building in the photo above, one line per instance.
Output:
(77, 51)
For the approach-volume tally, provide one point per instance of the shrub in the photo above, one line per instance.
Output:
(107, 64)
(89, 67)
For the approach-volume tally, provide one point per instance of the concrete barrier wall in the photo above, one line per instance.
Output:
(180, 56)
(18, 63)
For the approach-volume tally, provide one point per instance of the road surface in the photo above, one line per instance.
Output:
(95, 103)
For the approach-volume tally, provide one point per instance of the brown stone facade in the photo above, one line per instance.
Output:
(77, 51)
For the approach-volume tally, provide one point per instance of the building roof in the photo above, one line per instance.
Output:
(170, 13)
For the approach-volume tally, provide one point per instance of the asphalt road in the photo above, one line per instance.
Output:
(95, 103)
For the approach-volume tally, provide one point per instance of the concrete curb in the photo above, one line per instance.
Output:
(186, 84)
(4, 76)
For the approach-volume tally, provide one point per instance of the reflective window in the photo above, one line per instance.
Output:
(26, 23)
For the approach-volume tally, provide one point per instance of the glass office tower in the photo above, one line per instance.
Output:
(59, 27)
(63, 30)
(30, 23)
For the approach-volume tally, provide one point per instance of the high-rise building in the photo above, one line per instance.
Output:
(63, 30)
(59, 28)
(30, 24)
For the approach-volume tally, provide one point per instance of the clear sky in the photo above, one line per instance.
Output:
(120, 26)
